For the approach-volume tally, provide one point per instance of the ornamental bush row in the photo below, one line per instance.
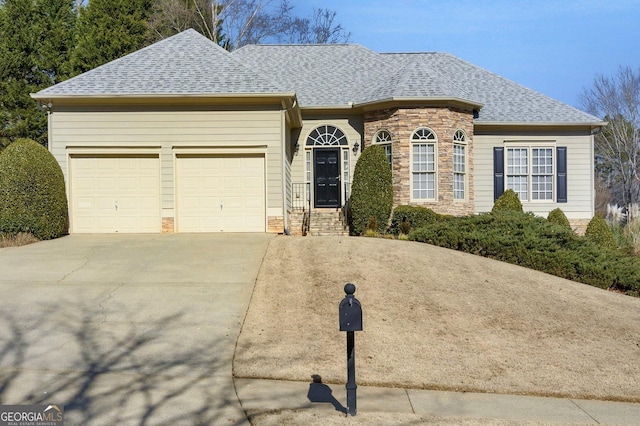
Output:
(536, 243)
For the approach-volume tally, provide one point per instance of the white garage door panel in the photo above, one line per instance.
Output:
(115, 194)
(220, 193)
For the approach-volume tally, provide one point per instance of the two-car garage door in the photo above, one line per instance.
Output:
(122, 193)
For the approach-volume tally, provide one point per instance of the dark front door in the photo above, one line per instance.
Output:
(326, 172)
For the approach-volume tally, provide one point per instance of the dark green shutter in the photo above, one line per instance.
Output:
(561, 176)
(498, 172)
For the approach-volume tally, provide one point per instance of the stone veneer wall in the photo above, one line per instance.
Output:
(167, 225)
(275, 225)
(444, 121)
(579, 226)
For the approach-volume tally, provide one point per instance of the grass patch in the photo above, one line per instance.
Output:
(19, 239)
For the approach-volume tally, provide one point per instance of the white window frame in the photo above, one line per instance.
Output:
(528, 172)
(460, 168)
(384, 139)
(346, 175)
(308, 180)
(426, 139)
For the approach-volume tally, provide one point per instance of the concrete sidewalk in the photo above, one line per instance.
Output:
(266, 395)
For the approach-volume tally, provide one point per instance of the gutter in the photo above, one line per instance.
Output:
(540, 124)
(40, 95)
(437, 99)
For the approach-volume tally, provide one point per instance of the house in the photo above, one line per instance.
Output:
(183, 136)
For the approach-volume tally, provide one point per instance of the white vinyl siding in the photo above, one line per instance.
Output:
(580, 180)
(109, 128)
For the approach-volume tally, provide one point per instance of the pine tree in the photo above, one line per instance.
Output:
(34, 46)
(107, 30)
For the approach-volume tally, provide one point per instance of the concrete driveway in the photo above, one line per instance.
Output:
(127, 329)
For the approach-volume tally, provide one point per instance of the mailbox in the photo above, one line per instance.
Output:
(350, 311)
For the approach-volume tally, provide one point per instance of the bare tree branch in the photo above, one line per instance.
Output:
(235, 23)
(616, 100)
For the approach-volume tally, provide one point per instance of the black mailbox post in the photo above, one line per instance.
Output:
(350, 320)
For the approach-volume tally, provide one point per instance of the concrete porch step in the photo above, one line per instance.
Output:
(322, 222)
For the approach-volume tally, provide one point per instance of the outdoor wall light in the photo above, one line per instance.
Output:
(356, 147)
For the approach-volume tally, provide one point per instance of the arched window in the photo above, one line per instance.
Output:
(423, 164)
(459, 165)
(326, 135)
(383, 138)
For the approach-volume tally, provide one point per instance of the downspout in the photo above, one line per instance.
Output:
(285, 216)
(49, 121)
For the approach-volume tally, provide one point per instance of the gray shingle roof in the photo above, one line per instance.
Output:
(336, 75)
(187, 63)
(504, 101)
(320, 75)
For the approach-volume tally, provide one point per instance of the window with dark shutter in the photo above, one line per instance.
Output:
(498, 172)
(561, 153)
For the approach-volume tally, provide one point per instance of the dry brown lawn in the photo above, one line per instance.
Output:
(437, 319)
(17, 240)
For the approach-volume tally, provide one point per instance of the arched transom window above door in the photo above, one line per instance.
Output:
(326, 136)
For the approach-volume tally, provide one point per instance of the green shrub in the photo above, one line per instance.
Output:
(558, 217)
(371, 192)
(407, 218)
(32, 192)
(599, 232)
(508, 201)
(533, 242)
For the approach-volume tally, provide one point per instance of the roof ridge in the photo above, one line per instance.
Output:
(395, 79)
(97, 69)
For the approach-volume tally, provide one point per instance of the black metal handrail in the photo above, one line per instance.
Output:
(300, 197)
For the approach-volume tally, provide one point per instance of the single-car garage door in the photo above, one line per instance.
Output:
(115, 193)
(220, 193)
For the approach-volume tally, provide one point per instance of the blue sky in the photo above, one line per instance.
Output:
(553, 46)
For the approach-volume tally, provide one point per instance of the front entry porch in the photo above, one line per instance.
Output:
(318, 222)
(305, 219)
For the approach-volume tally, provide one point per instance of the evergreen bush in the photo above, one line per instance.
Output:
(599, 232)
(407, 218)
(533, 242)
(508, 201)
(32, 192)
(371, 192)
(558, 217)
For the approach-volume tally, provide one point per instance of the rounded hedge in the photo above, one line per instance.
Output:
(508, 202)
(32, 192)
(371, 192)
(558, 217)
(599, 232)
(407, 218)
